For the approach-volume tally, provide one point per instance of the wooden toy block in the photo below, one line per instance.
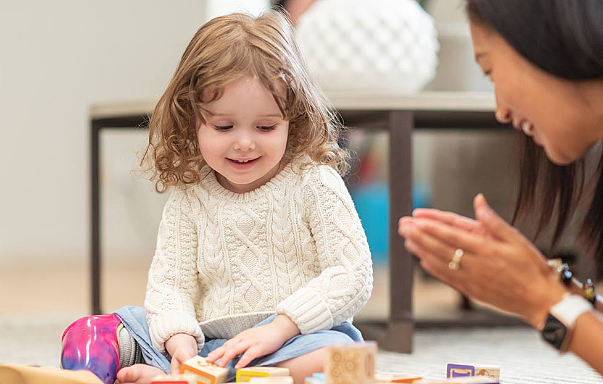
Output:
(186, 378)
(396, 378)
(207, 373)
(15, 373)
(461, 380)
(271, 380)
(315, 379)
(245, 374)
(466, 370)
(351, 363)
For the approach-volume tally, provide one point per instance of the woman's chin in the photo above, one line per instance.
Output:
(558, 158)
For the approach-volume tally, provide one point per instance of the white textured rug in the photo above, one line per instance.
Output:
(520, 353)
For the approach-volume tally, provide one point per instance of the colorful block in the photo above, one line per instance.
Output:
(245, 374)
(207, 373)
(271, 380)
(186, 378)
(351, 363)
(461, 380)
(466, 370)
(396, 378)
(313, 380)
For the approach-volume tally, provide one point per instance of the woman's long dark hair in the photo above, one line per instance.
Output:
(565, 39)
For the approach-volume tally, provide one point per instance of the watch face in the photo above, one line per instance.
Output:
(554, 331)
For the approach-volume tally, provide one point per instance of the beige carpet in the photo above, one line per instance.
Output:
(520, 353)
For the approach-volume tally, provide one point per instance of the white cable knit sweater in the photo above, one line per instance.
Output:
(226, 261)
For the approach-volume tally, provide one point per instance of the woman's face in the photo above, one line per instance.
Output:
(552, 110)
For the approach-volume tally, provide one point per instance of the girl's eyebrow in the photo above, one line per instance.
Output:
(272, 115)
(278, 115)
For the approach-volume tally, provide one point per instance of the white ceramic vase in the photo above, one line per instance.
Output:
(369, 48)
(215, 8)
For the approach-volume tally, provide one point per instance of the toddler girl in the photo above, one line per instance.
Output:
(261, 258)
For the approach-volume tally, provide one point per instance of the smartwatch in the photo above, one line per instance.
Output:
(559, 324)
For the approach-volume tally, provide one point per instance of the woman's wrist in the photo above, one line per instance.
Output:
(549, 294)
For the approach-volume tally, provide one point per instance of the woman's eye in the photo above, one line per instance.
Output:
(223, 127)
(266, 127)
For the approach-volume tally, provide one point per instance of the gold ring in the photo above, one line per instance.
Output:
(456, 260)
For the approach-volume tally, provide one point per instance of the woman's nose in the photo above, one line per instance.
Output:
(503, 113)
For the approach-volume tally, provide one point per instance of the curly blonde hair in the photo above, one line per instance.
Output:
(222, 51)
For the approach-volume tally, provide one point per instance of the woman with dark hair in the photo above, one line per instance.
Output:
(545, 58)
(294, 8)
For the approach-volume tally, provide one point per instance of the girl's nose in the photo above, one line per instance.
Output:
(244, 143)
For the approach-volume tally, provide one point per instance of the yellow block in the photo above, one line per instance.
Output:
(245, 374)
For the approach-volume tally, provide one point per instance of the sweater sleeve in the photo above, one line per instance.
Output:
(346, 281)
(172, 287)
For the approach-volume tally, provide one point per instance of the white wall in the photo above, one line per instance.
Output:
(56, 59)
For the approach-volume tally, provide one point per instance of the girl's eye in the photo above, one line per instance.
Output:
(223, 127)
(266, 127)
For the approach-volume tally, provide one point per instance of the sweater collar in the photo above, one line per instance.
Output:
(277, 183)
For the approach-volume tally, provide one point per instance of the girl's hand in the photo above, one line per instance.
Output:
(181, 347)
(501, 268)
(255, 342)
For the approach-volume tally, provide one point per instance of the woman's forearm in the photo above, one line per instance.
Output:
(587, 339)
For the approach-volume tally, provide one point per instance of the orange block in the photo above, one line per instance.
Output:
(207, 373)
(186, 378)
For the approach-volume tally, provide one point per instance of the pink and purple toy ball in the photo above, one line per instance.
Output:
(92, 343)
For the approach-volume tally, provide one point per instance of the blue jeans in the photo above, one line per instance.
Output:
(134, 320)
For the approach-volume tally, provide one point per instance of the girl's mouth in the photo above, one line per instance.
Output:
(242, 164)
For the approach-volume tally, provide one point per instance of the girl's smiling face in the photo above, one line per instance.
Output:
(244, 137)
(550, 109)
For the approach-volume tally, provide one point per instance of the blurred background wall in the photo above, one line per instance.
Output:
(56, 59)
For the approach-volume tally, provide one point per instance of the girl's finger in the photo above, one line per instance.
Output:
(233, 352)
(216, 353)
(249, 355)
(175, 366)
